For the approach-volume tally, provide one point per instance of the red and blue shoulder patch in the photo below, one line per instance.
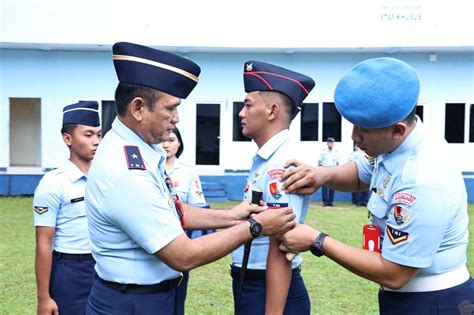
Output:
(134, 158)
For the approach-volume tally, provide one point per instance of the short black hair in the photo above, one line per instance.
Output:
(286, 103)
(68, 128)
(181, 146)
(126, 92)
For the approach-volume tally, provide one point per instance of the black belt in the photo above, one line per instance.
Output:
(163, 286)
(254, 274)
(73, 256)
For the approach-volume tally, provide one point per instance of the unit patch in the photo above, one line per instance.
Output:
(275, 173)
(40, 210)
(401, 215)
(134, 158)
(404, 197)
(275, 191)
(396, 236)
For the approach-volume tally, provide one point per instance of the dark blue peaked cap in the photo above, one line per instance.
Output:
(156, 69)
(377, 92)
(261, 76)
(82, 113)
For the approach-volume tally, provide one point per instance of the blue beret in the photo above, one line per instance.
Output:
(261, 76)
(156, 69)
(377, 93)
(82, 113)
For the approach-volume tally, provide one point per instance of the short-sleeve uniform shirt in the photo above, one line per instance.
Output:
(131, 214)
(329, 158)
(59, 203)
(419, 201)
(187, 184)
(266, 168)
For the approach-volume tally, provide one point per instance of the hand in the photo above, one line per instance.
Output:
(276, 221)
(47, 306)
(243, 210)
(298, 239)
(301, 179)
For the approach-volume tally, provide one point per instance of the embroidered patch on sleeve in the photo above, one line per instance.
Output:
(275, 190)
(404, 197)
(134, 158)
(276, 205)
(396, 236)
(40, 210)
(400, 214)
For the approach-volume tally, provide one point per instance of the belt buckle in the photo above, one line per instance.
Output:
(180, 280)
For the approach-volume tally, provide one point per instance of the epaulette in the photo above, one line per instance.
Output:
(134, 158)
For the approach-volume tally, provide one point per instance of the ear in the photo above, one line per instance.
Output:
(273, 110)
(136, 108)
(67, 138)
(399, 130)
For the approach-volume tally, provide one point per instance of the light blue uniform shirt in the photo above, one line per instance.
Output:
(130, 211)
(187, 184)
(266, 167)
(59, 203)
(419, 201)
(329, 158)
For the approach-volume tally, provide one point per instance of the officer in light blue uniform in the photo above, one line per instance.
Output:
(64, 264)
(329, 157)
(266, 168)
(135, 217)
(418, 201)
(359, 198)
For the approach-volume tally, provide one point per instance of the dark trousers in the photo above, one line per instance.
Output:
(360, 198)
(106, 300)
(70, 285)
(181, 292)
(252, 301)
(328, 196)
(456, 300)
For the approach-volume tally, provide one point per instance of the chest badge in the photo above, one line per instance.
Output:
(134, 158)
(400, 215)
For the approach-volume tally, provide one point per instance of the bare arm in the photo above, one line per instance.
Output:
(199, 218)
(184, 254)
(367, 264)
(278, 279)
(43, 265)
(305, 179)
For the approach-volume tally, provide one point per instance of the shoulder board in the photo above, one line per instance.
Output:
(134, 158)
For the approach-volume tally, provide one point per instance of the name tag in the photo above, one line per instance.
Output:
(77, 199)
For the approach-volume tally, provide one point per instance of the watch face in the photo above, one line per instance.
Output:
(256, 229)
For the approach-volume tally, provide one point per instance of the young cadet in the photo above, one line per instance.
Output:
(64, 264)
(272, 284)
(418, 203)
(135, 218)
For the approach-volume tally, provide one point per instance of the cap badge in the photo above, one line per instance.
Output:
(249, 67)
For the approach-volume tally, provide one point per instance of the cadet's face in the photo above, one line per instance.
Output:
(158, 124)
(373, 141)
(83, 141)
(171, 145)
(330, 145)
(253, 114)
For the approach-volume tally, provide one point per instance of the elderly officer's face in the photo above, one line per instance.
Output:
(373, 141)
(253, 114)
(83, 141)
(157, 124)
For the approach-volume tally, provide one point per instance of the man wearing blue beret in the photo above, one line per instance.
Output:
(418, 236)
(271, 284)
(136, 219)
(64, 264)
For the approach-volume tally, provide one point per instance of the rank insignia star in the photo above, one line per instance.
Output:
(134, 158)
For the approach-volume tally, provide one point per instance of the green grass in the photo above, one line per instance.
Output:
(332, 289)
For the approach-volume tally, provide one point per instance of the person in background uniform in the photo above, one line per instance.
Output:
(329, 157)
(359, 198)
(418, 203)
(272, 284)
(187, 185)
(64, 265)
(135, 217)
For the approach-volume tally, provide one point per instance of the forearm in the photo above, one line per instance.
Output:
(200, 218)
(367, 264)
(278, 278)
(342, 178)
(189, 254)
(43, 266)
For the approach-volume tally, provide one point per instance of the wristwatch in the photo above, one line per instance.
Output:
(317, 247)
(255, 228)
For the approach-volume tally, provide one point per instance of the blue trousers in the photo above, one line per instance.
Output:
(328, 196)
(70, 285)
(252, 301)
(360, 198)
(456, 300)
(106, 300)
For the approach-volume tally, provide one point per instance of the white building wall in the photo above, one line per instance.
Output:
(60, 78)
